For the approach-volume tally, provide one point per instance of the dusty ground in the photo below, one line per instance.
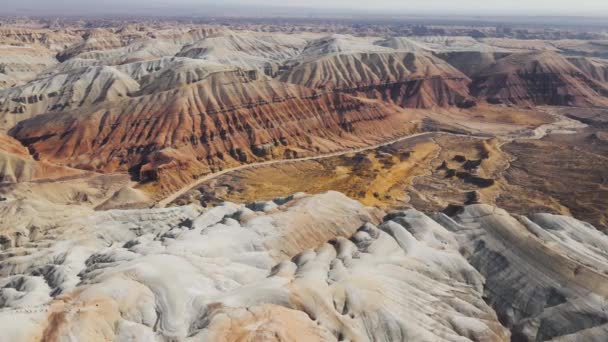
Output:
(363, 176)
(561, 173)
(569, 172)
(410, 168)
(467, 170)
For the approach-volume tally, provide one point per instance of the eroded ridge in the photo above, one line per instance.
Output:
(320, 267)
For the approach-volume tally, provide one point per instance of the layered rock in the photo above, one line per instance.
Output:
(123, 94)
(53, 39)
(471, 63)
(416, 80)
(17, 165)
(95, 39)
(594, 68)
(64, 91)
(171, 169)
(538, 78)
(317, 267)
(19, 64)
(546, 275)
(217, 125)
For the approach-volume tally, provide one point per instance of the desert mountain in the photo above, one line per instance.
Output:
(216, 98)
(245, 50)
(68, 90)
(229, 117)
(395, 70)
(17, 165)
(538, 78)
(96, 39)
(407, 79)
(19, 64)
(594, 68)
(404, 44)
(471, 63)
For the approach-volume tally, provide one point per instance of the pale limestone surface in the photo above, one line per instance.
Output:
(546, 275)
(320, 267)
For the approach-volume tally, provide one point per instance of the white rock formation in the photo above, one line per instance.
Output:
(304, 268)
(546, 275)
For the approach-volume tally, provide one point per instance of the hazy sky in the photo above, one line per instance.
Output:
(459, 7)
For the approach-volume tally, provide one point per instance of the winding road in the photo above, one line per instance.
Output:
(167, 200)
(561, 124)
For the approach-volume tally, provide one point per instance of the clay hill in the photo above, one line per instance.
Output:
(174, 102)
(17, 165)
(314, 268)
(228, 117)
(538, 78)
(415, 79)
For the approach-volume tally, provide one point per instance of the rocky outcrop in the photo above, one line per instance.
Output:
(317, 267)
(538, 78)
(545, 274)
(216, 125)
(17, 165)
(416, 80)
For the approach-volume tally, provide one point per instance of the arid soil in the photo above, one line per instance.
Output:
(563, 174)
(168, 103)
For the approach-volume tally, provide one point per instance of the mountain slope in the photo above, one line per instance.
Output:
(538, 78)
(244, 50)
(320, 268)
(247, 118)
(69, 90)
(410, 80)
(17, 165)
(594, 68)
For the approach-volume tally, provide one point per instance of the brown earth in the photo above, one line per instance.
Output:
(569, 174)
(555, 174)
(17, 165)
(167, 105)
(541, 78)
(244, 121)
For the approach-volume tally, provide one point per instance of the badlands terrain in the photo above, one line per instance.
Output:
(261, 181)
